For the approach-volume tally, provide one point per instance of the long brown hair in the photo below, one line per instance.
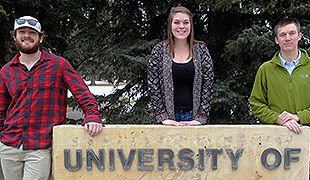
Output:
(190, 38)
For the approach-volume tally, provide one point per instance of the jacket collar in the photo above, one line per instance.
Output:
(304, 58)
(44, 57)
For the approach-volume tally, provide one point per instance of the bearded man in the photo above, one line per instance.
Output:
(33, 99)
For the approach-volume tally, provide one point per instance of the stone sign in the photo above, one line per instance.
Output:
(218, 152)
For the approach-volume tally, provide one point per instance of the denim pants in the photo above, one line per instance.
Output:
(183, 115)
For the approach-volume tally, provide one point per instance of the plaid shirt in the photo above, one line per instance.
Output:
(32, 102)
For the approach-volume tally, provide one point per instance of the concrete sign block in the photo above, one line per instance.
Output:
(215, 152)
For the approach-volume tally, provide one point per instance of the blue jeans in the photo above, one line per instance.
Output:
(182, 115)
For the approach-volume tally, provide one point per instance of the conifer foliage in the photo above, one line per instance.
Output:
(112, 39)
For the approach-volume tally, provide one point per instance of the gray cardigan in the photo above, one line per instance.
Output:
(160, 82)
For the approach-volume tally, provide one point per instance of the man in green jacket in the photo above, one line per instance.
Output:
(280, 92)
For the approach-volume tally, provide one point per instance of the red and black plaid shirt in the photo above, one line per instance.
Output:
(32, 102)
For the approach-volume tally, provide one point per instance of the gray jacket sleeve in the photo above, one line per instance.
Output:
(155, 83)
(207, 85)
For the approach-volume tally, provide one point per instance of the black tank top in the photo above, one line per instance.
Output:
(183, 79)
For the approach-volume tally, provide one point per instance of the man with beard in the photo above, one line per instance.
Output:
(33, 99)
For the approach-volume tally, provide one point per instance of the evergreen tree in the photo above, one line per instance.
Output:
(112, 39)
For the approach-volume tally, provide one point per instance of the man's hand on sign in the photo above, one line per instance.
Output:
(293, 126)
(93, 128)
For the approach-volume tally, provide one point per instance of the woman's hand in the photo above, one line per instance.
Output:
(191, 123)
(169, 122)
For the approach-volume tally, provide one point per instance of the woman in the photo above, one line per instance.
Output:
(180, 74)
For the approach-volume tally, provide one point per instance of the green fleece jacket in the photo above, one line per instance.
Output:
(275, 90)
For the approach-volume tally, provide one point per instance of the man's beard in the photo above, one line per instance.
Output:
(27, 50)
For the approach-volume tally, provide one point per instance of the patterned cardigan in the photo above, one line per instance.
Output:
(160, 82)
